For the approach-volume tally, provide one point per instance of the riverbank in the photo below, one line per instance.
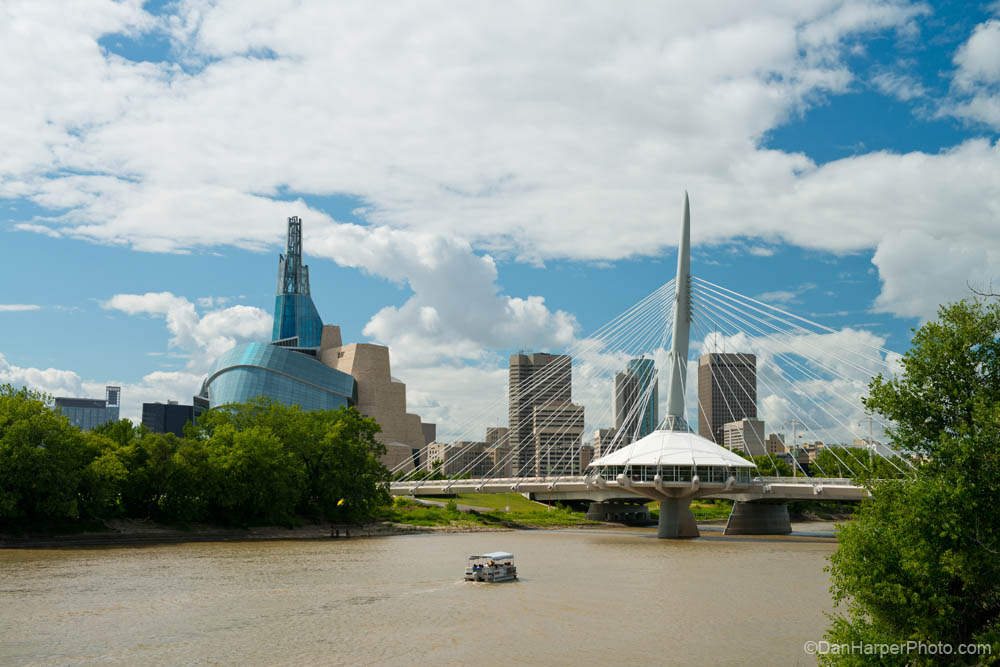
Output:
(121, 533)
(137, 533)
(405, 516)
(126, 532)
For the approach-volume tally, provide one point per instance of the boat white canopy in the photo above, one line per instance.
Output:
(672, 448)
(495, 555)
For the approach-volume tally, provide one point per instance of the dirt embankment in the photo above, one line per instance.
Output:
(134, 532)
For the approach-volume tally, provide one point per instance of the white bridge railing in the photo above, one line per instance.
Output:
(814, 481)
(515, 484)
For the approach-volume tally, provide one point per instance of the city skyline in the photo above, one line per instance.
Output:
(798, 201)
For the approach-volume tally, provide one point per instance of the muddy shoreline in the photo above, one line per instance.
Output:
(126, 532)
(132, 532)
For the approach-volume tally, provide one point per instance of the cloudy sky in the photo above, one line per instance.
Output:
(476, 177)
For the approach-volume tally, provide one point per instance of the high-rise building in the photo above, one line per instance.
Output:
(463, 457)
(535, 379)
(497, 435)
(89, 413)
(498, 440)
(727, 392)
(167, 417)
(113, 402)
(745, 437)
(558, 434)
(775, 444)
(604, 439)
(430, 431)
(635, 400)
(623, 402)
(307, 364)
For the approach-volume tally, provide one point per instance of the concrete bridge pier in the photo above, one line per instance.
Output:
(631, 512)
(758, 519)
(676, 519)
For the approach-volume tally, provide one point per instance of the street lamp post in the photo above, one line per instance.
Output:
(795, 444)
(871, 443)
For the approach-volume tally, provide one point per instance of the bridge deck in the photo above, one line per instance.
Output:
(776, 489)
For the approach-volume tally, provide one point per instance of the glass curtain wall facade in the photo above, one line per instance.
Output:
(295, 317)
(282, 374)
(86, 413)
(644, 370)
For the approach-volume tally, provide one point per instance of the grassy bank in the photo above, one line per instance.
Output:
(494, 501)
(704, 510)
(407, 511)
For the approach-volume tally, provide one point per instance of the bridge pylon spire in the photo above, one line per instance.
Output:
(678, 356)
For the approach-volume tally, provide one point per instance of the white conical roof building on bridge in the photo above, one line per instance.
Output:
(680, 464)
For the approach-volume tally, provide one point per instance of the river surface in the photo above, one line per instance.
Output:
(585, 597)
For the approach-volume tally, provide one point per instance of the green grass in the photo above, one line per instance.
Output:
(404, 510)
(541, 518)
(496, 501)
(703, 510)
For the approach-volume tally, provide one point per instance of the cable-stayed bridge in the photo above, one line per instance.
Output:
(801, 374)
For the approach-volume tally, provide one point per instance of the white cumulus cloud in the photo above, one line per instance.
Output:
(18, 307)
(202, 336)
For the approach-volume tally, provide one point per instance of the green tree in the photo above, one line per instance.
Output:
(254, 478)
(153, 473)
(337, 449)
(122, 432)
(188, 486)
(772, 466)
(859, 463)
(99, 491)
(920, 560)
(42, 459)
(348, 480)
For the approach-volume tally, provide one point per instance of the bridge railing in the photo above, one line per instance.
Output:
(813, 481)
(492, 481)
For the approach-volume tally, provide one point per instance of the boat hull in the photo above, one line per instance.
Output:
(492, 575)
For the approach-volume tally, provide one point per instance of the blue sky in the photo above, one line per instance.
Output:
(841, 159)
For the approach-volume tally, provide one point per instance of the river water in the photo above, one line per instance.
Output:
(584, 597)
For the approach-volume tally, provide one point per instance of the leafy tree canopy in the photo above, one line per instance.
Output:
(920, 562)
(336, 450)
(42, 457)
(261, 462)
(859, 463)
(772, 466)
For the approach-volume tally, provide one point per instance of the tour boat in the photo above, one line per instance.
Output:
(492, 567)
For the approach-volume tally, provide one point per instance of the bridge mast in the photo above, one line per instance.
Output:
(678, 356)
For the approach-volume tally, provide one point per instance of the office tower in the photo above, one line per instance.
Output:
(635, 400)
(604, 439)
(745, 437)
(586, 456)
(463, 457)
(430, 431)
(623, 400)
(498, 440)
(775, 444)
(727, 392)
(89, 413)
(558, 435)
(497, 436)
(112, 402)
(167, 417)
(535, 379)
